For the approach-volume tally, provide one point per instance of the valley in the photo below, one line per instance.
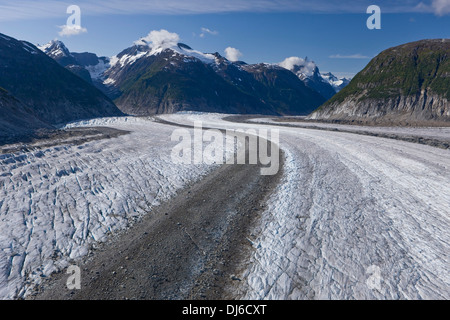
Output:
(149, 171)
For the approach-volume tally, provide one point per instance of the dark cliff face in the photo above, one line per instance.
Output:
(283, 90)
(16, 119)
(85, 58)
(52, 93)
(410, 82)
(169, 82)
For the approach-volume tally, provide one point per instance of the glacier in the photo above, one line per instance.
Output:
(57, 203)
(354, 216)
(349, 204)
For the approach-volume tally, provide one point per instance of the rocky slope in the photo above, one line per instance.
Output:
(16, 119)
(408, 84)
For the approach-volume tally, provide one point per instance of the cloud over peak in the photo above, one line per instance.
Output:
(233, 54)
(67, 31)
(159, 39)
(302, 65)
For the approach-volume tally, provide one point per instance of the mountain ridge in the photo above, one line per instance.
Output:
(172, 78)
(37, 89)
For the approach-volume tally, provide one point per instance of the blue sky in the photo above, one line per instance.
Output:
(332, 33)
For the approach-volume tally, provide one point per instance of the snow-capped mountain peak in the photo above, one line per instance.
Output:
(130, 55)
(142, 49)
(329, 76)
(157, 42)
(55, 49)
(337, 83)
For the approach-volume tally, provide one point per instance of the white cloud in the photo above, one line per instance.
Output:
(208, 31)
(351, 56)
(304, 65)
(160, 39)
(233, 54)
(441, 7)
(67, 31)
